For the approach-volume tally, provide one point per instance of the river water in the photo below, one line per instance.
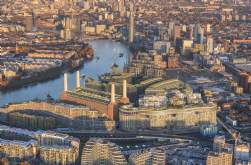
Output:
(107, 51)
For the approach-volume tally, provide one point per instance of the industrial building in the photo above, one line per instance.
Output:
(104, 102)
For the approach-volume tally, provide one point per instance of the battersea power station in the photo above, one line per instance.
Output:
(104, 102)
(166, 104)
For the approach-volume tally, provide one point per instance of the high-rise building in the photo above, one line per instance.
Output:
(219, 143)
(99, 151)
(177, 32)
(121, 7)
(191, 32)
(210, 45)
(68, 27)
(171, 29)
(201, 36)
(28, 22)
(196, 33)
(131, 23)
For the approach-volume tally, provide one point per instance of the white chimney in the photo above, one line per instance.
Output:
(78, 79)
(113, 93)
(65, 82)
(124, 89)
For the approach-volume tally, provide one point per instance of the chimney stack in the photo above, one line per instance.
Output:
(113, 93)
(65, 82)
(124, 89)
(78, 79)
(124, 99)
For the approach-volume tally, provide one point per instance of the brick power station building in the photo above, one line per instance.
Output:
(101, 101)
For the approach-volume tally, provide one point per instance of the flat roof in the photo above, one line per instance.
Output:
(166, 84)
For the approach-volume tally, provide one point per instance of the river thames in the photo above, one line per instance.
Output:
(107, 52)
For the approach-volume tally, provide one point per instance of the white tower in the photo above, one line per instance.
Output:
(78, 79)
(124, 89)
(65, 82)
(113, 93)
(124, 99)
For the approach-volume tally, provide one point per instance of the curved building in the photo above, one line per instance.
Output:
(100, 152)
